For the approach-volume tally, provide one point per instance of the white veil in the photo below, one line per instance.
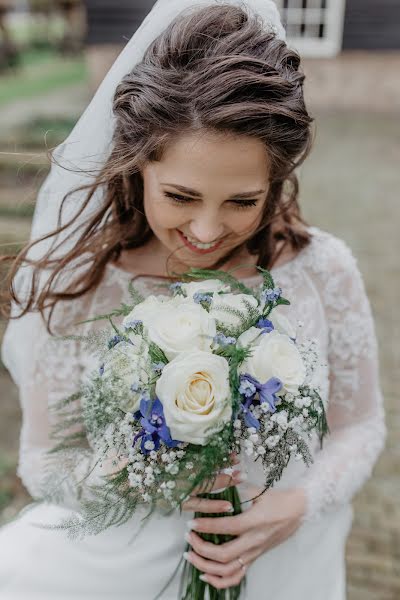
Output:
(88, 146)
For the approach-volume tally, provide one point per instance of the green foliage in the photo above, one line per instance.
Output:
(156, 354)
(235, 356)
(282, 301)
(101, 404)
(247, 318)
(136, 296)
(123, 311)
(104, 509)
(224, 276)
(321, 422)
(268, 280)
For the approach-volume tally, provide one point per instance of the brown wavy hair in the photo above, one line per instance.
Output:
(216, 68)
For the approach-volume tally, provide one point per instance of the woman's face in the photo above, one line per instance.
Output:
(206, 195)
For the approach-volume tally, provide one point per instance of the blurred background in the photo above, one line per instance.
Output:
(54, 54)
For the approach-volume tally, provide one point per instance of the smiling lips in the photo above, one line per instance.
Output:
(197, 246)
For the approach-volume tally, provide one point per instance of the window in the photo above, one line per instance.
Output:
(314, 27)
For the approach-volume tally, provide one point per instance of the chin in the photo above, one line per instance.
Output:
(197, 261)
(201, 262)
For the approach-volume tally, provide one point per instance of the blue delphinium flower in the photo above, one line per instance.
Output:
(154, 428)
(249, 386)
(101, 369)
(176, 288)
(224, 340)
(266, 325)
(114, 341)
(133, 324)
(200, 297)
(158, 367)
(271, 295)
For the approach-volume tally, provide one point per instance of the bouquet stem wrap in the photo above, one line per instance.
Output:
(194, 588)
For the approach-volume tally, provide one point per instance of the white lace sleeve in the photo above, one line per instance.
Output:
(355, 409)
(52, 373)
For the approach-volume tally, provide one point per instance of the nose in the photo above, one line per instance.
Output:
(206, 228)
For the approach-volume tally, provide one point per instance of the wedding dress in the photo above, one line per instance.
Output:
(328, 296)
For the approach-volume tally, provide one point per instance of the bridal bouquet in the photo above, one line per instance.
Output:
(185, 380)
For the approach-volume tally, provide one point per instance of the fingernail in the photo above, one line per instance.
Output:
(191, 524)
(217, 491)
(230, 509)
(186, 556)
(227, 471)
(188, 537)
(203, 577)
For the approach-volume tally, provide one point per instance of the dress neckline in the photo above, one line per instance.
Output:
(130, 274)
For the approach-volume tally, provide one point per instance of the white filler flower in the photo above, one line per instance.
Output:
(195, 393)
(176, 325)
(130, 362)
(275, 355)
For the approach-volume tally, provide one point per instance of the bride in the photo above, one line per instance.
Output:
(186, 157)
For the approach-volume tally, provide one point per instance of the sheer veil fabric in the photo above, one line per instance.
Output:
(87, 147)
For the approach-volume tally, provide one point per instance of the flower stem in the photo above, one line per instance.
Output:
(194, 588)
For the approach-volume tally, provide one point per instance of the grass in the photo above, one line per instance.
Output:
(7, 474)
(40, 72)
(43, 133)
(24, 163)
(24, 31)
(18, 210)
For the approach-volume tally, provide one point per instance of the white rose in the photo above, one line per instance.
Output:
(146, 309)
(195, 393)
(176, 324)
(205, 286)
(275, 355)
(130, 363)
(248, 337)
(282, 323)
(235, 301)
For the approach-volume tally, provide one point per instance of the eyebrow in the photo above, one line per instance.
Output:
(195, 194)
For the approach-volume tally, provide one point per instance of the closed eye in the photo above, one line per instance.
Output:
(179, 199)
(244, 203)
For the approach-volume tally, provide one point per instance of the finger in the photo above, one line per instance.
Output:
(221, 481)
(222, 583)
(211, 567)
(204, 505)
(235, 525)
(234, 578)
(229, 477)
(224, 553)
(234, 458)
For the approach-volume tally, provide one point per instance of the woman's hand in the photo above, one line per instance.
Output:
(226, 478)
(272, 518)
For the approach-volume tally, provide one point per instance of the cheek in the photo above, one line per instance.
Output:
(161, 215)
(243, 222)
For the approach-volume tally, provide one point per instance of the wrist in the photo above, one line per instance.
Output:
(298, 501)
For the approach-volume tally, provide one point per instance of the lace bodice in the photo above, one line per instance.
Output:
(327, 295)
